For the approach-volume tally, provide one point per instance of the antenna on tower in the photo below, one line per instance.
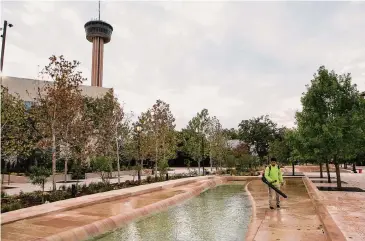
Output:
(99, 9)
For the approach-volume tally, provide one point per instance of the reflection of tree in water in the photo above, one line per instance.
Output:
(219, 214)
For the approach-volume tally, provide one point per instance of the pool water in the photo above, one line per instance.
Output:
(221, 213)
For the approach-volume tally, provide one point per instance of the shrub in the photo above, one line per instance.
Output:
(11, 206)
(57, 195)
(24, 200)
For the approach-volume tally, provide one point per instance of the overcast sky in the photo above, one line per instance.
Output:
(237, 59)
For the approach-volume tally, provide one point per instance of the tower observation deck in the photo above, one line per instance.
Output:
(99, 33)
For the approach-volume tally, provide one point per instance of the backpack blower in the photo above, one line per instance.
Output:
(272, 186)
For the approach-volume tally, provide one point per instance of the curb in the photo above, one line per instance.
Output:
(83, 201)
(331, 229)
(254, 225)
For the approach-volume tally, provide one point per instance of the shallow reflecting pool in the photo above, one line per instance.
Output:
(221, 214)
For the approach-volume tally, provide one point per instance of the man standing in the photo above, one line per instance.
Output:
(275, 177)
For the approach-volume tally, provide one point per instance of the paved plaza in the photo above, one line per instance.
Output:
(28, 187)
(299, 218)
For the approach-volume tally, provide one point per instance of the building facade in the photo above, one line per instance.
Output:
(27, 89)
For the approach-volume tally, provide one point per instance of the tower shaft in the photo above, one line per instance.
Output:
(97, 62)
(98, 33)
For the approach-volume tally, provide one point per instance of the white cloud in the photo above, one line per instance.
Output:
(237, 59)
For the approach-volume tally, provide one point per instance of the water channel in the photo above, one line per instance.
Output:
(218, 214)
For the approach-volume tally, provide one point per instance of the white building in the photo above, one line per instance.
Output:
(27, 89)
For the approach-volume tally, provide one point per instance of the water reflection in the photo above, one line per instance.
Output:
(219, 214)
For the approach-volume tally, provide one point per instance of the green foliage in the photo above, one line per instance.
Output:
(330, 124)
(258, 132)
(16, 138)
(102, 164)
(38, 175)
(282, 147)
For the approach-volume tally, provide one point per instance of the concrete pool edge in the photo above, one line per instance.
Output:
(103, 226)
(333, 232)
(73, 203)
(254, 225)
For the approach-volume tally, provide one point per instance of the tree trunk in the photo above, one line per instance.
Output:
(354, 167)
(320, 170)
(42, 192)
(293, 168)
(118, 164)
(210, 157)
(9, 177)
(328, 172)
(53, 158)
(156, 150)
(345, 165)
(338, 173)
(66, 167)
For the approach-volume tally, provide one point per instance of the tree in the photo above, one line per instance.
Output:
(218, 141)
(102, 165)
(16, 138)
(197, 131)
(232, 134)
(280, 147)
(106, 115)
(38, 176)
(56, 104)
(331, 113)
(161, 122)
(258, 132)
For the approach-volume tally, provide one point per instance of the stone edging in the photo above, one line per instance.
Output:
(102, 226)
(254, 223)
(332, 230)
(83, 201)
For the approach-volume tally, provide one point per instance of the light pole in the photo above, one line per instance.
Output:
(203, 153)
(153, 119)
(6, 25)
(199, 132)
(117, 140)
(139, 129)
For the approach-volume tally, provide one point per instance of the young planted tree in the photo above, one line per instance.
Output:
(331, 108)
(39, 176)
(56, 104)
(106, 116)
(16, 138)
(197, 131)
(143, 141)
(161, 122)
(102, 165)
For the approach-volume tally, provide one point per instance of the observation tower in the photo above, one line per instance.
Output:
(99, 33)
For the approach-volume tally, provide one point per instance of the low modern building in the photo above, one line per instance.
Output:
(27, 89)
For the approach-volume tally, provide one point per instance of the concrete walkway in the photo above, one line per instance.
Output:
(15, 188)
(28, 187)
(89, 220)
(296, 220)
(347, 209)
